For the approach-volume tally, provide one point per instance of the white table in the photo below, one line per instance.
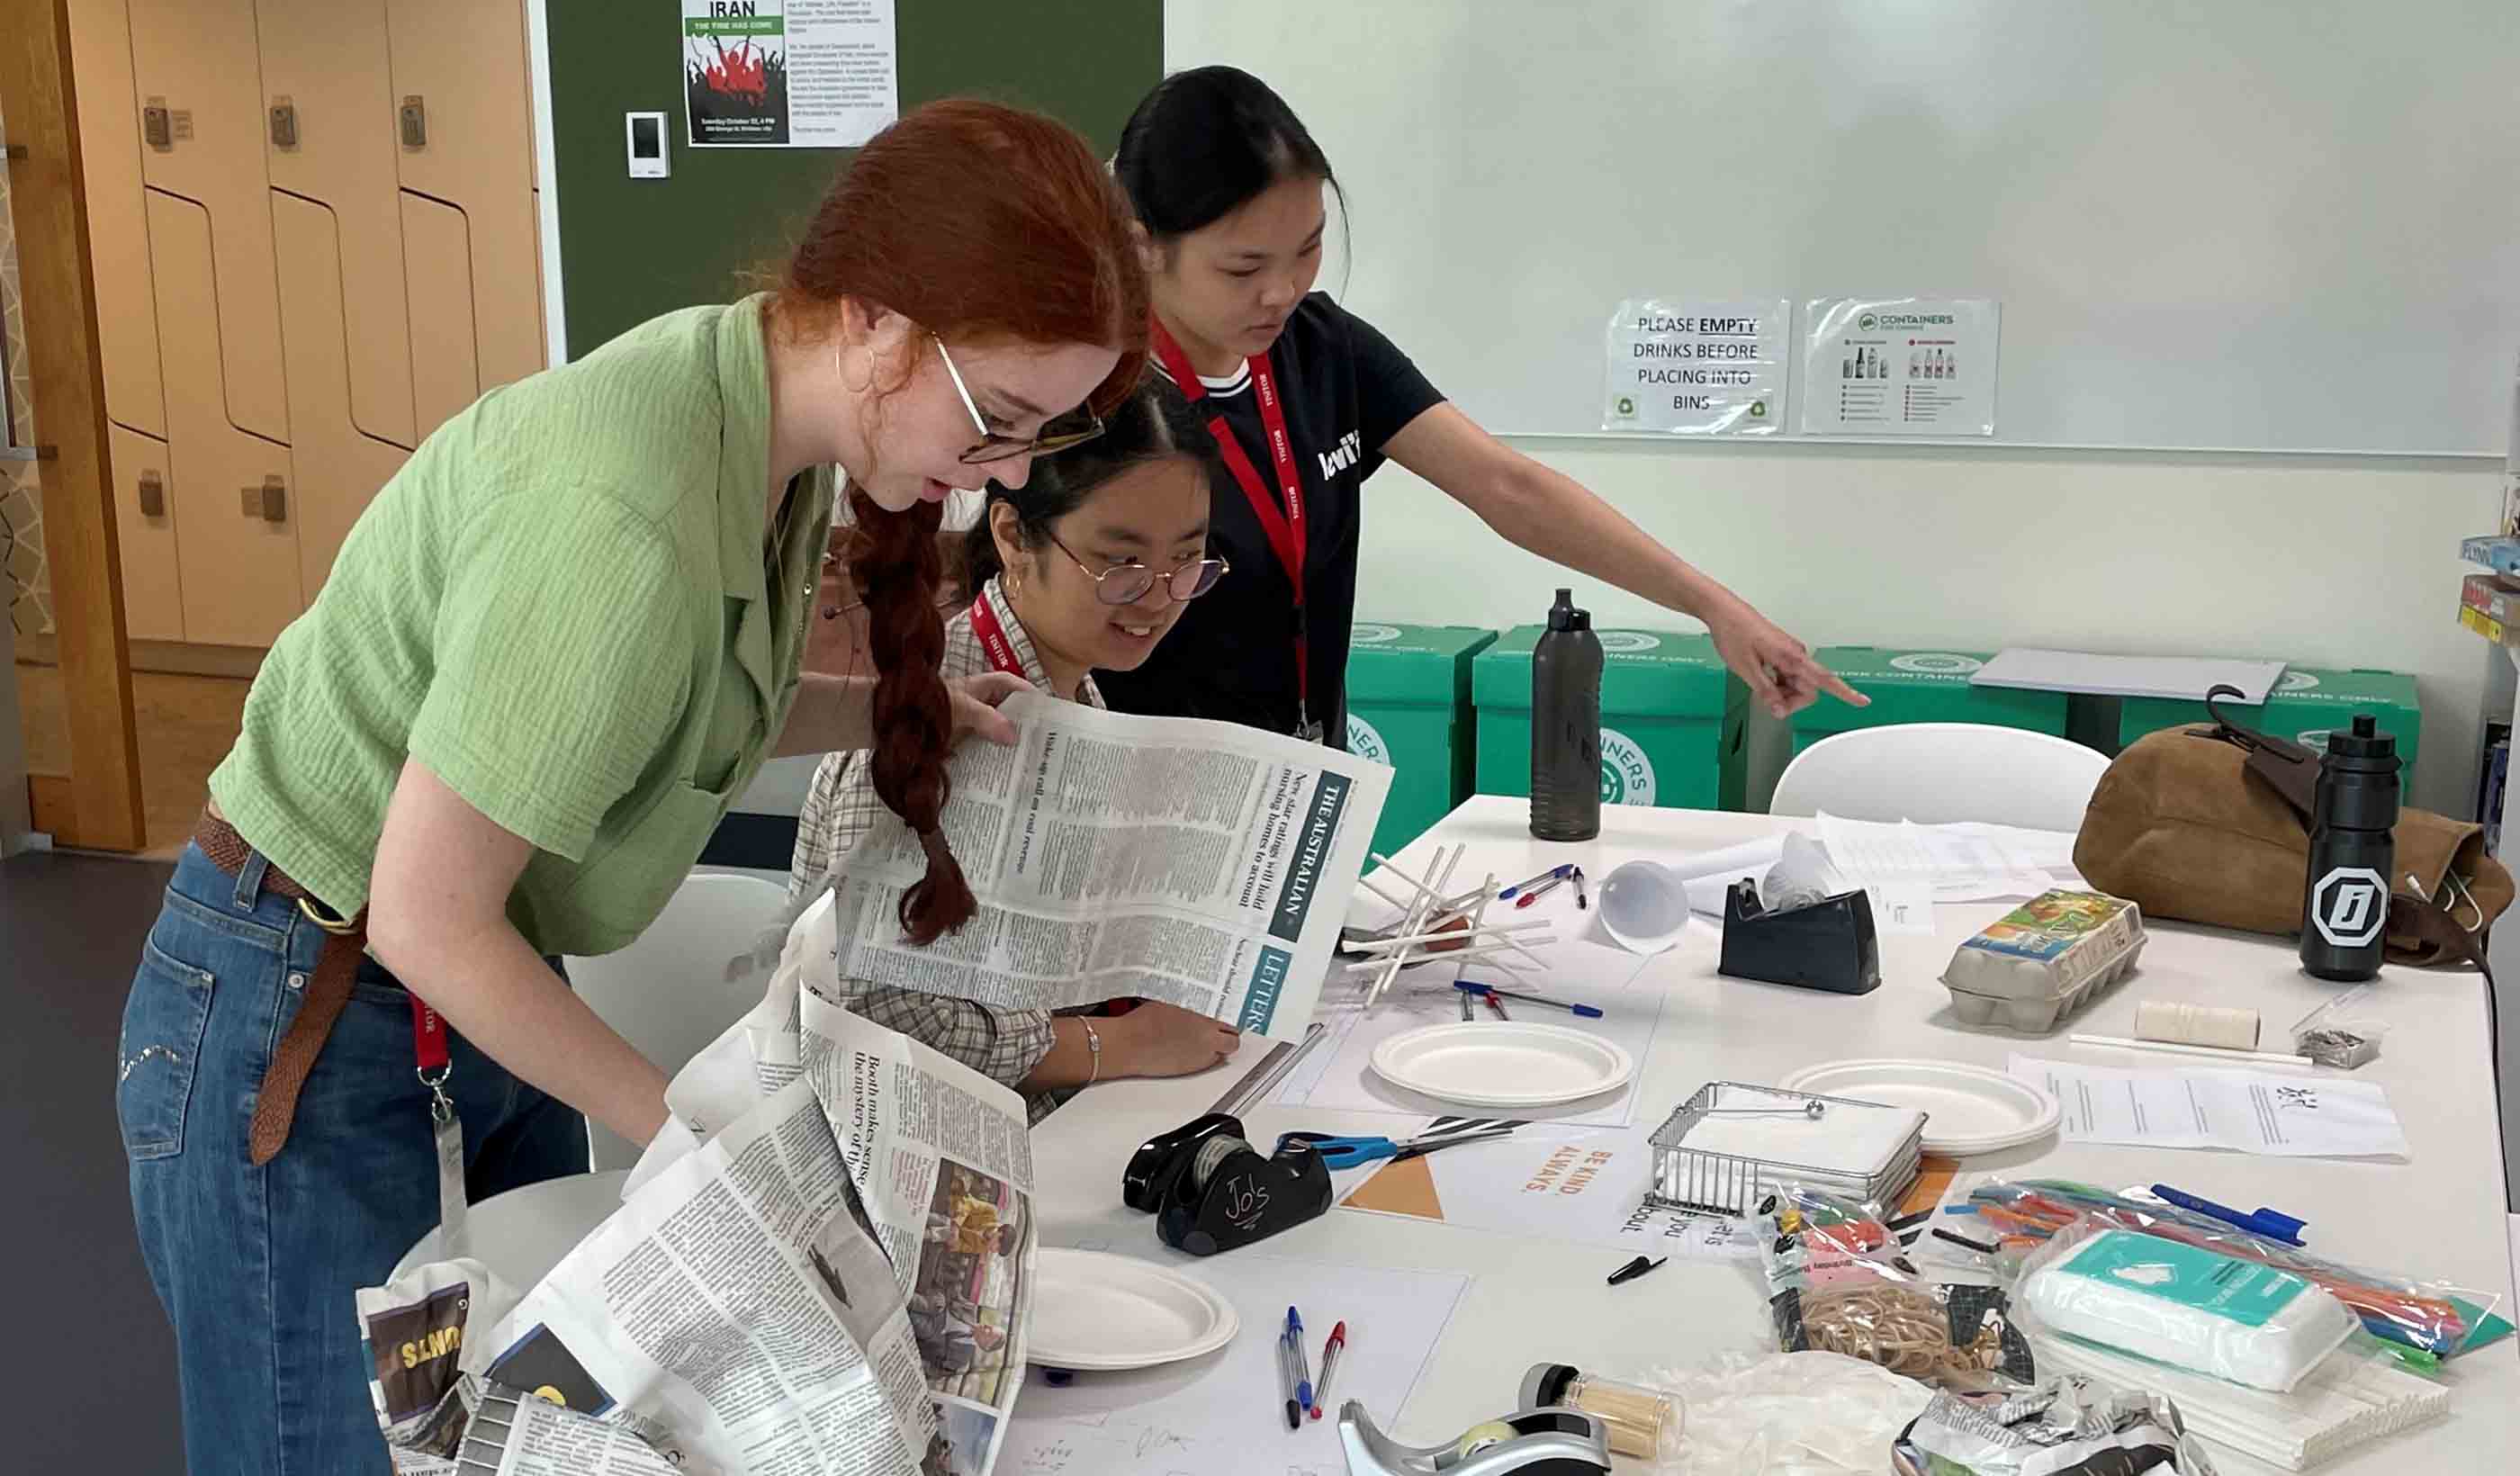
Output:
(1537, 1299)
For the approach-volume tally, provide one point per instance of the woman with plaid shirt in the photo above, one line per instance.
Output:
(1084, 568)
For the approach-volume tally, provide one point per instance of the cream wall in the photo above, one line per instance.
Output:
(2320, 560)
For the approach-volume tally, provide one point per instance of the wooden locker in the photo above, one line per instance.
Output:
(144, 524)
(328, 85)
(234, 507)
(438, 263)
(197, 60)
(117, 218)
(460, 67)
(337, 469)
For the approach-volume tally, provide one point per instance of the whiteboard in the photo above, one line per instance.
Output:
(2257, 225)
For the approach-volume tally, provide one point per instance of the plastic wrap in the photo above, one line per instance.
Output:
(2181, 1304)
(2430, 1321)
(1838, 1282)
(2069, 1426)
(1787, 1414)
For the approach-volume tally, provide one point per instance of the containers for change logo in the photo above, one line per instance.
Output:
(1936, 663)
(1628, 642)
(2297, 680)
(1373, 635)
(1365, 743)
(1867, 323)
(1627, 775)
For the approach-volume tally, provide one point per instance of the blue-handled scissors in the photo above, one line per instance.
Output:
(1348, 1152)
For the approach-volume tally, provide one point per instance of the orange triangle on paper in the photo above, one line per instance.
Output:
(1404, 1187)
(1933, 1176)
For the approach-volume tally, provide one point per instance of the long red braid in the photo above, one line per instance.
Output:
(975, 221)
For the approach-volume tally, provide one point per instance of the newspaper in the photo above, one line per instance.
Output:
(1203, 864)
(824, 1265)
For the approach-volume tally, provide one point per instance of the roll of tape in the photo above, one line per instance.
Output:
(2178, 1024)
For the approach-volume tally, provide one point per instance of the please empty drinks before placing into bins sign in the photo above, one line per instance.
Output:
(1697, 367)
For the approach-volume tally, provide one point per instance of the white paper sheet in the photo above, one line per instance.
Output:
(2244, 1111)
(1955, 863)
(2188, 678)
(1337, 1074)
(1222, 1415)
(1581, 1184)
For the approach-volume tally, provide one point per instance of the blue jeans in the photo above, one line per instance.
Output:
(258, 1266)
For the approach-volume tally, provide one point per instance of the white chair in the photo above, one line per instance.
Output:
(1940, 772)
(667, 993)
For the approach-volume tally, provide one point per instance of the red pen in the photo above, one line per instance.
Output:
(1330, 1364)
(1541, 890)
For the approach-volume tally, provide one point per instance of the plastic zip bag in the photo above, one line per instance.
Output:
(1839, 1282)
(2424, 1321)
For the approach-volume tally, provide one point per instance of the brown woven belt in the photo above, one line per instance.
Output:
(336, 969)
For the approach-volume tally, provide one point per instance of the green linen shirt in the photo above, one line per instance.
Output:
(565, 607)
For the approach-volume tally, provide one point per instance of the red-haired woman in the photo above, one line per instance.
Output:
(556, 646)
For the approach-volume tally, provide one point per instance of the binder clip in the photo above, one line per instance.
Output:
(1827, 944)
(1549, 1442)
(1210, 1190)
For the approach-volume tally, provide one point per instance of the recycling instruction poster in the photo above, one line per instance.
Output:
(1900, 365)
(1697, 368)
(789, 73)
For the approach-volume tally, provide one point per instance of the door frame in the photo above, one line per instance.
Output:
(97, 804)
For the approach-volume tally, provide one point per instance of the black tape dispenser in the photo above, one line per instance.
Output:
(1826, 943)
(1210, 1190)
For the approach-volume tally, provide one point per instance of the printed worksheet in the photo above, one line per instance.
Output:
(2244, 1111)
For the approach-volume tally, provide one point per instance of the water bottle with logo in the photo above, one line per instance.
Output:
(1566, 725)
(2345, 914)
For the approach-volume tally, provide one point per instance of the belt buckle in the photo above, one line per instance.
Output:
(315, 913)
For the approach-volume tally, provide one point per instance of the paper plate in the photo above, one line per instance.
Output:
(1503, 1063)
(1968, 1109)
(1091, 1310)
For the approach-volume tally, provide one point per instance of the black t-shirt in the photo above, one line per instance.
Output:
(1347, 390)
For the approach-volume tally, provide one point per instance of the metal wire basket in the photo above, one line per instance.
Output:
(1702, 1181)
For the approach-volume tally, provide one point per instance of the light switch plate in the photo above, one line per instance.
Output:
(643, 135)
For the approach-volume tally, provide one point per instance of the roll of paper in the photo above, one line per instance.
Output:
(2178, 1024)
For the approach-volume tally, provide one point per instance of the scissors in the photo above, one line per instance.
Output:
(1348, 1152)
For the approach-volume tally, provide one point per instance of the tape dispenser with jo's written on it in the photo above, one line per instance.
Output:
(1210, 1190)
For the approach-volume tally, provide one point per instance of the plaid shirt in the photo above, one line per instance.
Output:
(1005, 1045)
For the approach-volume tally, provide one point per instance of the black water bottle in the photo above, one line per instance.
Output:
(2344, 911)
(1566, 725)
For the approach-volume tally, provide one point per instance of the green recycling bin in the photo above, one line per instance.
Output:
(1920, 686)
(1669, 716)
(1408, 707)
(2304, 706)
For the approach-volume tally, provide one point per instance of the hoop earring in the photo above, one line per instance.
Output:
(856, 387)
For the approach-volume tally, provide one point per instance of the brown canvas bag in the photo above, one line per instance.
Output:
(2210, 824)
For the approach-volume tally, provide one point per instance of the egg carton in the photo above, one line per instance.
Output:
(2045, 962)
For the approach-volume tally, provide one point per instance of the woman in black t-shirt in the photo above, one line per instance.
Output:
(1311, 400)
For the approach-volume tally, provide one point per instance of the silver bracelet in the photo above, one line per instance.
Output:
(1094, 1043)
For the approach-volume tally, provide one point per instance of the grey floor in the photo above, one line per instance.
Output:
(94, 1351)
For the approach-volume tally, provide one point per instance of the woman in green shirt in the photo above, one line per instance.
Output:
(552, 650)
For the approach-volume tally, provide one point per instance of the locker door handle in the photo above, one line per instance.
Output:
(153, 495)
(268, 501)
(284, 123)
(157, 127)
(414, 115)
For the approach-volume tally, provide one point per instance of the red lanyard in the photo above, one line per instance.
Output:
(427, 1038)
(1285, 529)
(993, 643)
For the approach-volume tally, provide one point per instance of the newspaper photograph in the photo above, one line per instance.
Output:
(1203, 864)
(835, 1281)
(944, 1157)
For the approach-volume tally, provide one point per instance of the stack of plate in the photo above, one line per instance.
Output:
(1968, 1109)
(1731, 1143)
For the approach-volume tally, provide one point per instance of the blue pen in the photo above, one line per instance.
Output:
(2275, 1224)
(1303, 1365)
(1519, 887)
(1585, 1012)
